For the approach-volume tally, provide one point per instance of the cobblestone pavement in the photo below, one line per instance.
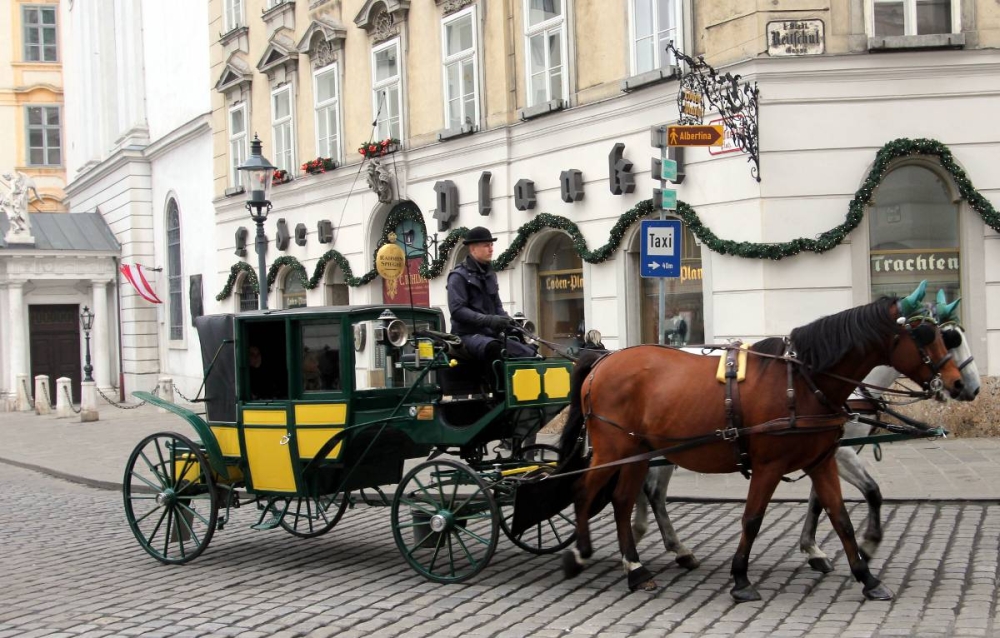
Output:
(71, 567)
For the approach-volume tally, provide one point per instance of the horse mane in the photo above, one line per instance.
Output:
(824, 342)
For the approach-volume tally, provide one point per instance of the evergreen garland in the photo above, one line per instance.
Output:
(407, 211)
(294, 264)
(234, 273)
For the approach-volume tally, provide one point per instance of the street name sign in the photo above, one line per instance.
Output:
(702, 135)
(660, 254)
(665, 198)
(664, 169)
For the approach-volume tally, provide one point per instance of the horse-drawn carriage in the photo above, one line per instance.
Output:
(310, 411)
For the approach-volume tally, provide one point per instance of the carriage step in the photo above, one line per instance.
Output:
(269, 519)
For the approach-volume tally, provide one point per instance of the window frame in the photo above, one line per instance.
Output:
(385, 84)
(544, 28)
(335, 103)
(229, 9)
(459, 58)
(290, 121)
(910, 18)
(678, 40)
(175, 272)
(44, 128)
(236, 177)
(40, 27)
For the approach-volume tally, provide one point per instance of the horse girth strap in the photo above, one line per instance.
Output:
(778, 427)
(734, 409)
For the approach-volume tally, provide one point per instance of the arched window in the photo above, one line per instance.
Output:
(174, 272)
(913, 234)
(336, 290)
(684, 317)
(294, 293)
(560, 291)
(247, 295)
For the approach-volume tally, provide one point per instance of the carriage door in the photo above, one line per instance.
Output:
(55, 346)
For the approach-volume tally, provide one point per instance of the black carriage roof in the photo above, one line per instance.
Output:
(398, 309)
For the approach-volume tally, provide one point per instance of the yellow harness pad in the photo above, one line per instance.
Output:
(741, 365)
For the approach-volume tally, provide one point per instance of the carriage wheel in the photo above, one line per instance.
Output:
(312, 516)
(170, 499)
(444, 520)
(549, 536)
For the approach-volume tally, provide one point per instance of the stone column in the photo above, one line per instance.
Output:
(64, 391)
(88, 402)
(99, 355)
(42, 405)
(16, 335)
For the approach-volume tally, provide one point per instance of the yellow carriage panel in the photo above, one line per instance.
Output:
(228, 437)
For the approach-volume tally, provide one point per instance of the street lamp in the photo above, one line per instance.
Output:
(87, 321)
(259, 173)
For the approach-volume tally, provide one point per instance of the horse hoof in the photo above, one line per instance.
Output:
(879, 592)
(821, 565)
(571, 567)
(688, 561)
(746, 595)
(640, 578)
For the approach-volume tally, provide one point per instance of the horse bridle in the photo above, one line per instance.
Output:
(952, 327)
(934, 385)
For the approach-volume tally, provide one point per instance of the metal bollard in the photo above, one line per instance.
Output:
(64, 389)
(24, 402)
(166, 392)
(42, 405)
(88, 402)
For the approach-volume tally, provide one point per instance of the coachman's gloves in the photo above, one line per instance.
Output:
(498, 322)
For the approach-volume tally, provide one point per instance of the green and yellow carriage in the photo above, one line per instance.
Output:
(309, 412)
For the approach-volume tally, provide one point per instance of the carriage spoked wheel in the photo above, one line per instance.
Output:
(445, 521)
(170, 500)
(551, 535)
(312, 516)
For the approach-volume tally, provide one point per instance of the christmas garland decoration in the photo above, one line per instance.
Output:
(407, 211)
(294, 264)
(234, 273)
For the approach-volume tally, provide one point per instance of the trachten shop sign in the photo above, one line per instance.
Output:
(795, 37)
(916, 262)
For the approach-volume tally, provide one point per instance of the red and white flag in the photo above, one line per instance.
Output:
(133, 272)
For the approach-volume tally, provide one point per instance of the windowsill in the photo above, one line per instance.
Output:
(649, 78)
(538, 110)
(458, 131)
(233, 191)
(36, 63)
(232, 34)
(907, 42)
(269, 14)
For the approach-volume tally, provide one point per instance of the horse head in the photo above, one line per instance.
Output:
(918, 349)
(946, 316)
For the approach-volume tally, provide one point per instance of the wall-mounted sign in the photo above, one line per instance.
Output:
(729, 143)
(390, 262)
(708, 135)
(795, 37)
(565, 282)
(690, 100)
(926, 263)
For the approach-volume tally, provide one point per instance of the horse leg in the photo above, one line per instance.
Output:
(763, 482)
(640, 519)
(587, 489)
(827, 485)
(818, 560)
(852, 470)
(630, 480)
(658, 499)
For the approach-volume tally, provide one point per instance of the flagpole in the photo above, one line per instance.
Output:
(118, 302)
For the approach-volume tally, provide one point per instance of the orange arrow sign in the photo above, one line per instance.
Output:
(708, 135)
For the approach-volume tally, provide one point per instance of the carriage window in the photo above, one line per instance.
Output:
(265, 373)
(320, 357)
(560, 291)
(913, 234)
(684, 321)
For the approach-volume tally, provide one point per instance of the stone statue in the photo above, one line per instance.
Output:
(15, 203)
(380, 180)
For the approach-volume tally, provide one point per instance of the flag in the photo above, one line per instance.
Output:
(133, 272)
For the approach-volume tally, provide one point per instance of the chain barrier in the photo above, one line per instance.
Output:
(181, 394)
(122, 406)
(69, 401)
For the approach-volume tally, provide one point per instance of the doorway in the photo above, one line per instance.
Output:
(55, 346)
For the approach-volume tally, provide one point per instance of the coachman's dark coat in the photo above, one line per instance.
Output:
(474, 297)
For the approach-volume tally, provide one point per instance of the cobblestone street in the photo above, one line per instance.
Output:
(72, 568)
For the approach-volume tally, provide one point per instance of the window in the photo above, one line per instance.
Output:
(545, 26)
(560, 291)
(234, 14)
(913, 234)
(654, 24)
(684, 319)
(320, 357)
(387, 95)
(44, 136)
(176, 299)
(248, 295)
(327, 113)
(281, 122)
(237, 142)
(39, 33)
(461, 104)
(915, 17)
(294, 294)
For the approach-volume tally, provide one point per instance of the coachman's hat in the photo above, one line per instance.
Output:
(479, 235)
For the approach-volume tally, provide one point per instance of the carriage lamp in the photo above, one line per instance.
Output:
(523, 322)
(259, 174)
(87, 322)
(393, 331)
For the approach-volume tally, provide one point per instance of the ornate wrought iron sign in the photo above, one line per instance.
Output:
(736, 102)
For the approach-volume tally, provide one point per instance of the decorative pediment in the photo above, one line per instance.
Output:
(451, 6)
(321, 41)
(381, 18)
(236, 73)
(279, 52)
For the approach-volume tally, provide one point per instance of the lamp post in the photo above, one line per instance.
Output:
(87, 321)
(259, 172)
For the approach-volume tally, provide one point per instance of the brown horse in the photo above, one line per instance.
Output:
(647, 399)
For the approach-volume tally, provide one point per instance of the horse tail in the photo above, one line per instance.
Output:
(570, 443)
